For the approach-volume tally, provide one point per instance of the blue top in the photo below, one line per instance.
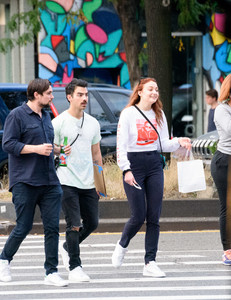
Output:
(25, 127)
(211, 124)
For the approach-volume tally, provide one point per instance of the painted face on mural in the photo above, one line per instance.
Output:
(149, 93)
(79, 99)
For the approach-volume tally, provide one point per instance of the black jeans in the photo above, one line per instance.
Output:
(80, 207)
(219, 171)
(145, 204)
(25, 198)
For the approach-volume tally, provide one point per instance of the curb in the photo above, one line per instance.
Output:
(186, 214)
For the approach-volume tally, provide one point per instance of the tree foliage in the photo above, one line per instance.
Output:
(31, 20)
(191, 11)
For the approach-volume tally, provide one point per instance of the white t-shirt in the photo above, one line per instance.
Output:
(135, 134)
(79, 170)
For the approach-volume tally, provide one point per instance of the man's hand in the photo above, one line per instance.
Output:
(42, 149)
(67, 150)
(57, 149)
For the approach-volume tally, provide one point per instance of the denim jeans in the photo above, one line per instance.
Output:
(25, 199)
(219, 170)
(145, 204)
(80, 207)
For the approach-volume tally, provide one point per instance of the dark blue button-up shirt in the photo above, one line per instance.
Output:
(25, 127)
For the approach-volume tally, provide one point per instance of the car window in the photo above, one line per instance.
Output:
(96, 110)
(13, 99)
(60, 101)
(116, 101)
(181, 103)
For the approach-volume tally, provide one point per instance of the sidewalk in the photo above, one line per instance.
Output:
(185, 214)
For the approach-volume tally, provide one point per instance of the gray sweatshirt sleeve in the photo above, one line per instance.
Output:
(222, 118)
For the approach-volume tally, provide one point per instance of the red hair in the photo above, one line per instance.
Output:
(225, 89)
(135, 99)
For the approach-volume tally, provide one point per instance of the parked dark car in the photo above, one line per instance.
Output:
(11, 96)
(105, 104)
(182, 119)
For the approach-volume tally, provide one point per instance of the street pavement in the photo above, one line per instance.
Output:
(191, 260)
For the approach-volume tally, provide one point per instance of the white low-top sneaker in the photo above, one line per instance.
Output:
(118, 255)
(5, 275)
(151, 269)
(55, 279)
(64, 255)
(78, 275)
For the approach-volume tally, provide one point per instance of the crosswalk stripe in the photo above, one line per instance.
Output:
(133, 264)
(130, 280)
(94, 257)
(194, 297)
(117, 289)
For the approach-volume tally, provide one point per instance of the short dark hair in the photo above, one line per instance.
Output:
(70, 87)
(37, 85)
(212, 93)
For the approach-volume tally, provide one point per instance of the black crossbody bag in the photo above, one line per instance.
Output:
(161, 151)
(56, 159)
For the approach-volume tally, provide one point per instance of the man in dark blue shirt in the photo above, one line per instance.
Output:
(211, 99)
(28, 138)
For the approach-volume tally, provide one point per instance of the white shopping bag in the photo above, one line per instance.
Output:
(191, 176)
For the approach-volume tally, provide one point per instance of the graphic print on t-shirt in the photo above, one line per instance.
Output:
(146, 134)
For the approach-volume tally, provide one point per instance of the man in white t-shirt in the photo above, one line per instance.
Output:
(80, 198)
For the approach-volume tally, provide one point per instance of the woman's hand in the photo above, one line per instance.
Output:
(185, 143)
(129, 178)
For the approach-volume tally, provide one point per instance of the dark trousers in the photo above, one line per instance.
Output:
(219, 171)
(80, 207)
(145, 204)
(25, 199)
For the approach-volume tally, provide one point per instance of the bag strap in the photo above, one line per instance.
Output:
(152, 127)
(78, 133)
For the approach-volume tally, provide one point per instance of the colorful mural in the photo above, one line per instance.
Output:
(216, 50)
(95, 44)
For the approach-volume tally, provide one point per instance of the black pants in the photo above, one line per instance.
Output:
(145, 204)
(219, 171)
(80, 207)
(25, 199)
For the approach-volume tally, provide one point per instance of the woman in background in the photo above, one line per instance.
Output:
(221, 162)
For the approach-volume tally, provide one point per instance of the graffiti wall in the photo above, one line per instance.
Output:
(68, 46)
(216, 51)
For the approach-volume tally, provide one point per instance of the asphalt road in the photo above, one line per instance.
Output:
(191, 260)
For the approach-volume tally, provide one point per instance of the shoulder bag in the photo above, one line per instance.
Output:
(161, 151)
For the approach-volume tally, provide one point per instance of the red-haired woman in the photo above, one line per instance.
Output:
(139, 158)
(220, 162)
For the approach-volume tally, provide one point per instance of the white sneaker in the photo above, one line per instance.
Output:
(78, 275)
(118, 255)
(55, 279)
(5, 270)
(151, 269)
(64, 255)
